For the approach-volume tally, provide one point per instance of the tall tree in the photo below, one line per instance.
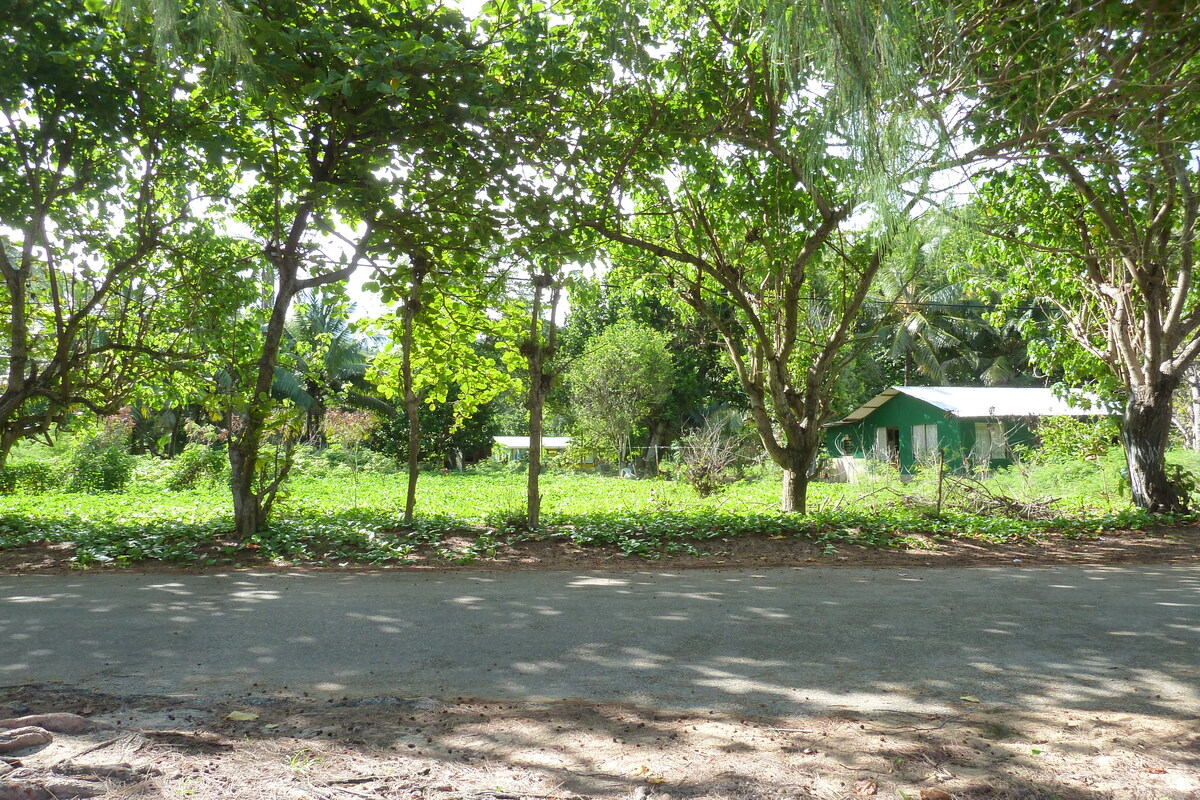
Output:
(702, 379)
(538, 56)
(450, 211)
(1095, 109)
(104, 269)
(937, 302)
(540, 349)
(762, 198)
(327, 357)
(349, 98)
(931, 320)
(432, 352)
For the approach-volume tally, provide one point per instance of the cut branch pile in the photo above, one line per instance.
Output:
(975, 497)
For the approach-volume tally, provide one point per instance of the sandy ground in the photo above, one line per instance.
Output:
(288, 747)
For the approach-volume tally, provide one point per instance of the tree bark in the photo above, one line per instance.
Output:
(795, 486)
(533, 492)
(658, 436)
(537, 355)
(7, 439)
(1144, 433)
(1193, 382)
(412, 410)
(412, 402)
(314, 434)
(251, 506)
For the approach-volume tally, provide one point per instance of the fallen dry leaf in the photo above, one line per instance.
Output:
(241, 716)
(935, 794)
(866, 787)
(1156, 770)
(969, 698)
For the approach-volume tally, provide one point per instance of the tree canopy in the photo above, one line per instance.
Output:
(831, 196)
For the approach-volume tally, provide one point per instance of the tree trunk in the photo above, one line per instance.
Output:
(7, 439)
(412, 403)
(175, 432)
(248, 516)
(251, 507)
(1193, 382)
(658, 435)
(537, 355)
(1144, 432)
(412, 410)
(15, 391)
(537, 402)
(314, 419)
(795, 488)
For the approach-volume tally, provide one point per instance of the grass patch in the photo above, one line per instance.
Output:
(465, 516)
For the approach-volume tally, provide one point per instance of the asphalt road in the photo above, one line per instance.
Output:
(783, 641)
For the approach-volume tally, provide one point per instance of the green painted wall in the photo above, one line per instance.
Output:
(955, 436)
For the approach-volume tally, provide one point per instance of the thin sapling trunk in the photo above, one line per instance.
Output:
(538, 356)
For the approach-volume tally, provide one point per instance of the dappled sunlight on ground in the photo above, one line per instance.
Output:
(778, 642)
(1065, 682)
(278, 744)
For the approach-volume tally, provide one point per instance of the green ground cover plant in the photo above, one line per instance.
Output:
(467, 515)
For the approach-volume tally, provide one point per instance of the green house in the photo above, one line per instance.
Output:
(977, 426)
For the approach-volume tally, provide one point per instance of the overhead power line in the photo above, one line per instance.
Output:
(969, 306)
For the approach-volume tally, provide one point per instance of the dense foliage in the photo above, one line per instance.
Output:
(633, 220)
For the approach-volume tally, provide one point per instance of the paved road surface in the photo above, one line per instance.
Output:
(781, 641)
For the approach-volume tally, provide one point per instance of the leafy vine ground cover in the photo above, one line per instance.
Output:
(335, 517)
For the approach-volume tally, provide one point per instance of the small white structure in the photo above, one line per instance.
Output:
(516, 448)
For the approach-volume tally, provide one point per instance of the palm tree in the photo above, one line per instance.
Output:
(932, 321)
(328, 358)
(936, 329)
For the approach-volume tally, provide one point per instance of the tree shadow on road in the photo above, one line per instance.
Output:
(1080, 684)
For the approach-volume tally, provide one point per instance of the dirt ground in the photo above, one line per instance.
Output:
(1157, 546)
(276, 745)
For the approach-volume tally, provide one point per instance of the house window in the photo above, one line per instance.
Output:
(989, 441)
(887, 444)
(924, 442)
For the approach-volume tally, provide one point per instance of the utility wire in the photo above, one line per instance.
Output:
(972, 306)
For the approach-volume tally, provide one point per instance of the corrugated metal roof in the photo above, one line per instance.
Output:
(522, 442)
(987, 401)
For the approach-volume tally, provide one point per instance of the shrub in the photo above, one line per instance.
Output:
(1067, 439)
(102, 462)
(198, 462)
(35, 477)
(708, 453)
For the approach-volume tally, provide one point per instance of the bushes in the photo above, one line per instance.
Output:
(1064, 440)
(102, 462)
(101, 465)
(32, 478)
(708, 453)
(197, 463)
